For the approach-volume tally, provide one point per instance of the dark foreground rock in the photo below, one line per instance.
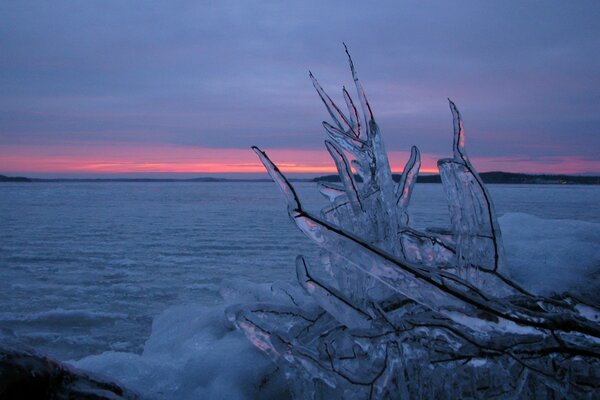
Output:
(24, 374)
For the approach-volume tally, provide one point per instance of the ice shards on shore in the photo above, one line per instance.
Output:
(395, 312)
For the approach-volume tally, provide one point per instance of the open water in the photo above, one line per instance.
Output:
(85, 268)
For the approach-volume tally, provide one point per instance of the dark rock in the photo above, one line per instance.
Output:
(24, 374)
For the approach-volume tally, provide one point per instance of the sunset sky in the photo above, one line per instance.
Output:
(135, 88)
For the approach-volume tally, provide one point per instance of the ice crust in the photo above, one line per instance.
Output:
(394, 312)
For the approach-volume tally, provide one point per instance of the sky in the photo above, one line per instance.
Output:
(174, 87)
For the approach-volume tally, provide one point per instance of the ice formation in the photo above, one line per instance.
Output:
(394, 312)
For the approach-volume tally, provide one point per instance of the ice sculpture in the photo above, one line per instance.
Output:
(395, 312)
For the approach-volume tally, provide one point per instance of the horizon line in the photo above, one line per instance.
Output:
(132, 175)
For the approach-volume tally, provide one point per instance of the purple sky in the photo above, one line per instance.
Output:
(79, 78)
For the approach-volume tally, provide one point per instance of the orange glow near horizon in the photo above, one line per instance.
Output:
(103, 159)
(169, 159)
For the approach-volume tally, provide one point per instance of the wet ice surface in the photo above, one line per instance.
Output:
(87, 267)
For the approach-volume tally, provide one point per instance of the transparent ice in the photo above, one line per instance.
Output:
(395, 312)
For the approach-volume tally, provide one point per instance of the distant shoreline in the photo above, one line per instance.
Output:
(142, 180)
(488, 177)
(501, 178)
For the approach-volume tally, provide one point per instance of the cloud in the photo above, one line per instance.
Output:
(231, 74)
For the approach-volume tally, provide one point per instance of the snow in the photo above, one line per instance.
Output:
(550, 256)
(193, 352)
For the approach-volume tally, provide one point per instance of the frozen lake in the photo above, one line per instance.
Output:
(86, 267)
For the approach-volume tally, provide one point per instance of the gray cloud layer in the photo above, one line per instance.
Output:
(234, 73)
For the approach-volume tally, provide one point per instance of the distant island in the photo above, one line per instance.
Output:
(498, 177)
(488, 177)
(4, 178)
